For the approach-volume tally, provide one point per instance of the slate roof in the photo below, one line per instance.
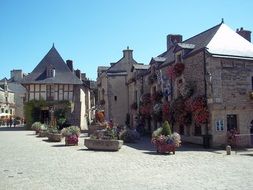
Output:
(63, 75)
(228, 42)
(218, 40)
(141, 66)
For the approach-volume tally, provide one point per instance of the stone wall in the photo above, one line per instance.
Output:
(118, 99)
(229, 90)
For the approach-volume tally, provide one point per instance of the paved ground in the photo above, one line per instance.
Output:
(28, 162)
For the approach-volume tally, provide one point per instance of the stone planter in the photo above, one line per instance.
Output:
(42, 133)
(71, 140)
(54, 137)
(97, 144)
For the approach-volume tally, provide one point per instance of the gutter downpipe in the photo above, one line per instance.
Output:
(206, 136)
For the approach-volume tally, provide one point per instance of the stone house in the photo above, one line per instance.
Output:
(115, 92)
(210, 74)
(7, 102)
(19, 91)
(58, 83)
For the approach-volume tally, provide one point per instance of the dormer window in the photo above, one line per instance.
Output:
(50, 71)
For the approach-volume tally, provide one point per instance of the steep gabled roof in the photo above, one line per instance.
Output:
(63, 75)
(218, 40)
(227, 42)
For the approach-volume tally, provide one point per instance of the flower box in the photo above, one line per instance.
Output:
(165, 148)
(71, 140)
(54, 137)
(98, 144)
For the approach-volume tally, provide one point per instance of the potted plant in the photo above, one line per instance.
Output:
(53, 134)
(36, 127)
(104, 139)
(71, 135)
(43, 130)
(164, 140)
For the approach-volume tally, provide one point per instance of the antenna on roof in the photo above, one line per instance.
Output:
(222, 20)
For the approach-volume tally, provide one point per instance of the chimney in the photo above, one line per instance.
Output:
(128, 53)
(244, 33)
(173, 39)
(70, 65)
(83, 76)
(17, 75)
(78, 74)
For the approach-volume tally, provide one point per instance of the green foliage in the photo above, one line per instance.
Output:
(32, 111)
(53, 129)
(36, 126)
(166, 130)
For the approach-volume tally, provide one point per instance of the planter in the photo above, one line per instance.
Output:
(42, 133)
(54, 137)
(165, 148)
(71, 140)
(93, 128)
(97, 144)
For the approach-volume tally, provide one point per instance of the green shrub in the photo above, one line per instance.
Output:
(36, 126)
(166, 130)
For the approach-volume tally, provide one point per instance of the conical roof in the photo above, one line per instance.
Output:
(63, 74)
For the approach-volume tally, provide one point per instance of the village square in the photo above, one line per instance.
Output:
(183, 120)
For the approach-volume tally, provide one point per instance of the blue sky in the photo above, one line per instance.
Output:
(94, 32)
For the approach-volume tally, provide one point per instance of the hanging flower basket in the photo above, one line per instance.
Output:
(178, 69)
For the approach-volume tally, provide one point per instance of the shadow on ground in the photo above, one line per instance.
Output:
(90, 150)
(59, 145)
(17, 128)
(145, 145)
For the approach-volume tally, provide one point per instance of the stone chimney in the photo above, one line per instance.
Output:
(70, 65)
(128, 53)
(78, 74)
(173, 39)
(17, 75)
(83, 76)
(244, 33)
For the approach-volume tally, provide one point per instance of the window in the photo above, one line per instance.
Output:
(2, 110)
(50, 92)
(231, 122)
(11, 111)
(115, 98)
(197, 130)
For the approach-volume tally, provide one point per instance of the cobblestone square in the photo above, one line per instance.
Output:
(29, 162)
